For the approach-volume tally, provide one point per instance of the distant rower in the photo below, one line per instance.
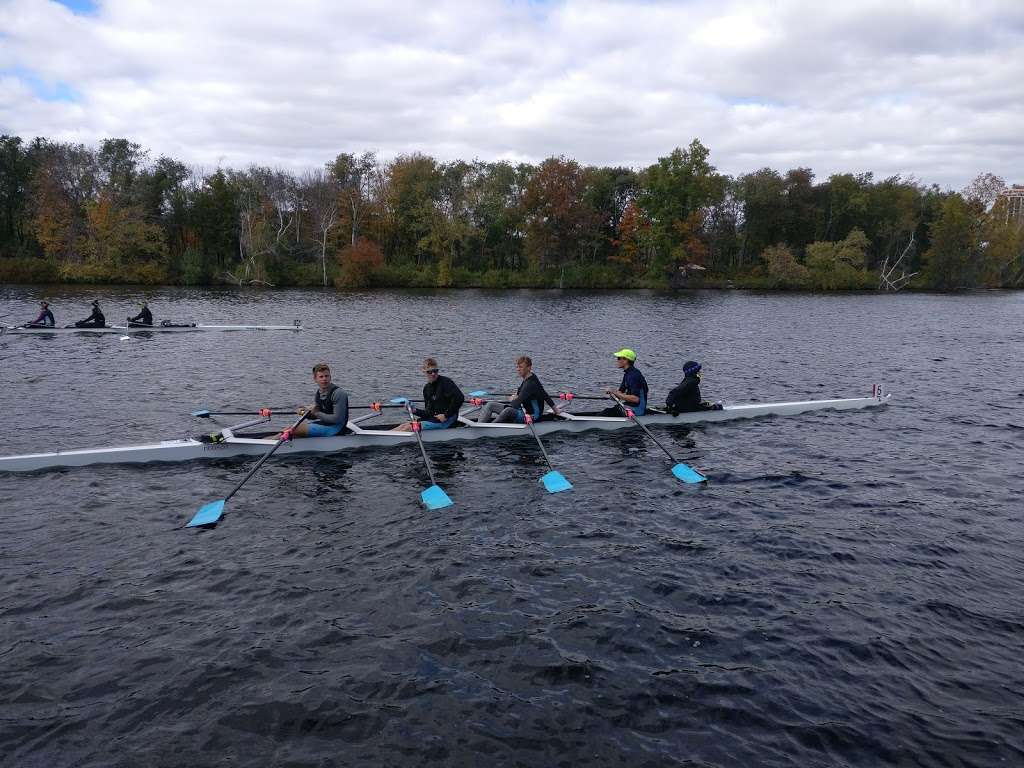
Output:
(95, 320)
(633, 389)
(329, 409)
(442, 400)
(145, 317)
(530, 395)
(45, 319)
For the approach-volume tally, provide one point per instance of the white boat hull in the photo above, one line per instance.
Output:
(189, 449)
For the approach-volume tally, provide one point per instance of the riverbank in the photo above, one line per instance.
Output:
(44, 272)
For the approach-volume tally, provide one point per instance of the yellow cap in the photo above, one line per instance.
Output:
(627, 353)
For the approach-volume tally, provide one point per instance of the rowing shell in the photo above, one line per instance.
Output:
(191, 328)
(361, 437)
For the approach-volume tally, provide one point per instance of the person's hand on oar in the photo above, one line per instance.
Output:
(684, 472)
(553, 480)
(210, 513)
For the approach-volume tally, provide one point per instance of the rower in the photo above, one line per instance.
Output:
(145, 317)
(95, 320)
(45, 319)
(633, 389)
(328, 415)
(685, 398)
(442, 400)
(529, 395)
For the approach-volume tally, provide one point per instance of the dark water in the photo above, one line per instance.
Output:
(846, 591)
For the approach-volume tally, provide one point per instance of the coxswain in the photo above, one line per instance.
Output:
(530, 395)
(145, 317)
(95, 320)
(633, 389)
(685, 397)
(328, 415)
(442, 400)
(45, 319)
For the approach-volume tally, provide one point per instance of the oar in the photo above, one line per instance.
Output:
(433, 497)
(210, 513)
(553, 480)
(207, 414)
(401, 401)
(127, 327)
(684, 472)
(574, 396)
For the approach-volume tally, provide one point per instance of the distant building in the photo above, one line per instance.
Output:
(1013, 199)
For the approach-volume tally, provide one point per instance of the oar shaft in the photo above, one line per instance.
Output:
(642, 426)
(266, 456)
(250, 413)
(419, 442)
(529, 423)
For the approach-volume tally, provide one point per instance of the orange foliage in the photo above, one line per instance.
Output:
(359, 263)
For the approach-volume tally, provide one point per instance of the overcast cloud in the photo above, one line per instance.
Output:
(931, 89)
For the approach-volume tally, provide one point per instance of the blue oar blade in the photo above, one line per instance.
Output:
(208, 514)
(435, 498)
(687, 474)
(555, 481)
(399, 400)
(202, 413)
(478, 393)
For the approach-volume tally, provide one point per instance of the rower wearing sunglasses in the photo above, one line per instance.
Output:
(442, 400)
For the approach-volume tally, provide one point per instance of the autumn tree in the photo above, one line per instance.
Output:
(557, 216)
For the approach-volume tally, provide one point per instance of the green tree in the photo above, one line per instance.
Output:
(783, 269)
(839, 265)
(676, 191)
(951, 261)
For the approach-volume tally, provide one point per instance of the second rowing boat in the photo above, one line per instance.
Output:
(136, 328)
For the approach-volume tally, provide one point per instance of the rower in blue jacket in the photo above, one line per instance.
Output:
(633, 389)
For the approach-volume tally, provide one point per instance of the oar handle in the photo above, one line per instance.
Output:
(574, 396)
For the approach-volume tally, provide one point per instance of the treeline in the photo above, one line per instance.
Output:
(70, 212)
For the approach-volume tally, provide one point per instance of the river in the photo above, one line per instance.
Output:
(844, 591)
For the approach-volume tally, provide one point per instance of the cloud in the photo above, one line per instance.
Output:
(916, 88)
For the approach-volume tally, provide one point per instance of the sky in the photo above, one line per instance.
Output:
(932, 89)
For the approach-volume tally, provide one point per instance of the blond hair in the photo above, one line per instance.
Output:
(430, 362)
(524, 359)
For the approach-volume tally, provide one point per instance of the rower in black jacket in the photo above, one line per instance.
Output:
(145, 317)
(530, 395)
(686, 396)
(95, 320)
(442, 400)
